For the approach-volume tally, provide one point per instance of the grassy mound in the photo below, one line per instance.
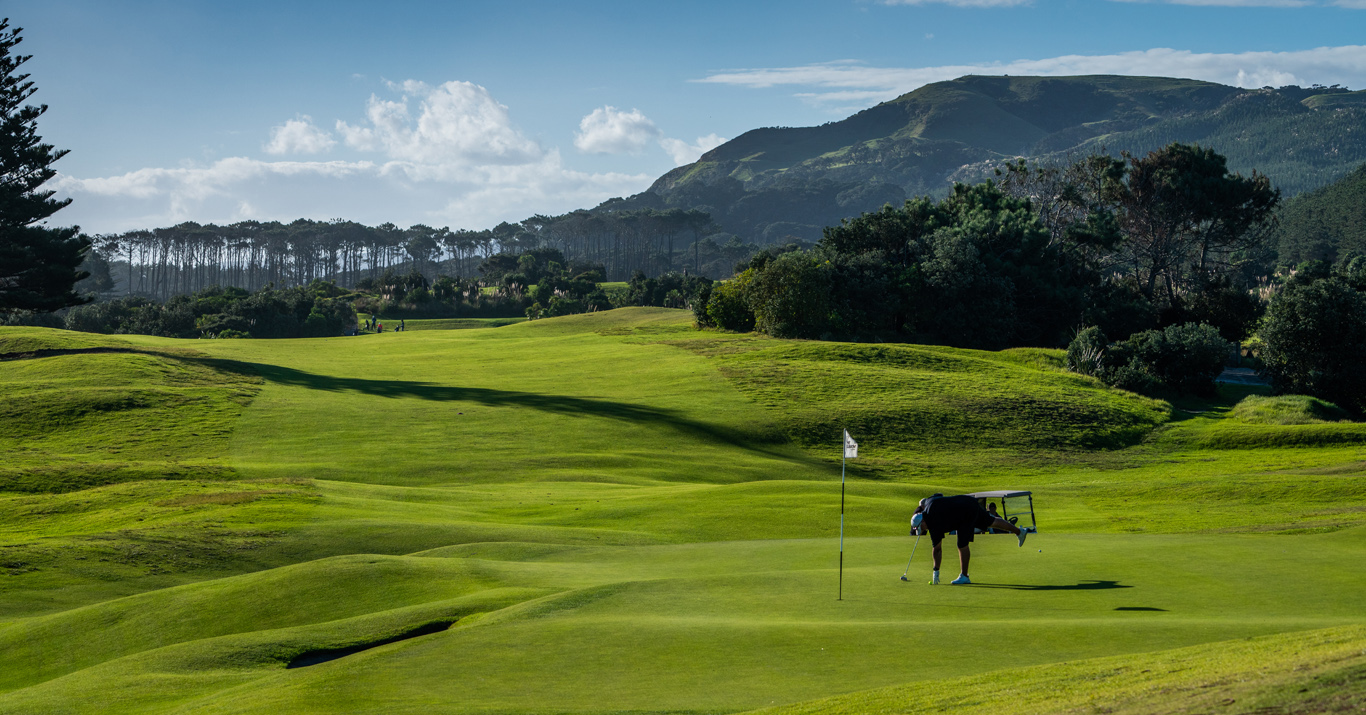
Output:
(1287, 410)
(16, 342)
(89, 417)
(912, 397)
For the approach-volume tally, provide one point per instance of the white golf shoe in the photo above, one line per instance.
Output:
(961, 580)
(1021, 536)
(934, 579)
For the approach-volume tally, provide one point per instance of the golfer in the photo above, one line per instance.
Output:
(962, 513)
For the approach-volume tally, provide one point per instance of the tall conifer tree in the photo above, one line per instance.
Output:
(39, 265)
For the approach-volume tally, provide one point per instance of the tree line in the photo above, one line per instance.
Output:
(189, 257)
(1126, 243)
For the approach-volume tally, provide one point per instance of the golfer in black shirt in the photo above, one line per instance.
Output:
(961, 514)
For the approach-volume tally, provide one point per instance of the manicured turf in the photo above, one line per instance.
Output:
(451, 323)
(1315, 672)
(618, 512)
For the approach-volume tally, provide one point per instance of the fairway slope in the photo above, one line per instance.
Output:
(615, 512)
(1320, 671)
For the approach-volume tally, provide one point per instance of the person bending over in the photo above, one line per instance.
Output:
(962, 513)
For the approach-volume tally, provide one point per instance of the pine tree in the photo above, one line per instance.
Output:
(39, 265)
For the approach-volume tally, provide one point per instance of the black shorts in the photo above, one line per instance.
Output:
(960, 513)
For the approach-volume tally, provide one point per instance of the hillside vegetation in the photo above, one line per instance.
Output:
(774, 183)
(1328, 224)
(615, 512)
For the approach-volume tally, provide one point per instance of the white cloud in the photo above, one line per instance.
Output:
(846, 82)
(446, 155)
(457, 123)
(299, 136)
(684, 153)
(608, 130)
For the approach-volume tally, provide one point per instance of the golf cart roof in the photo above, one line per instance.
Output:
(1000, 494)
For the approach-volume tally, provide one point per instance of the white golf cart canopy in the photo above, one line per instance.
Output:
(1015, 506)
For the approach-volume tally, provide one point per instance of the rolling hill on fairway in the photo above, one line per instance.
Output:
(775, 183)
(614, 512)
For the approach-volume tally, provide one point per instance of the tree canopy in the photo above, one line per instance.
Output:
(39, 265)
(1129, 243)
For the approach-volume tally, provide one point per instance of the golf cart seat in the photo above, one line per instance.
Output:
(1013, 505)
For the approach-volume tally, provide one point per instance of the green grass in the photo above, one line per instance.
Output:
(1287, 410)
(1315, 672)
(620, 513)
(114, 412)
(453, 323)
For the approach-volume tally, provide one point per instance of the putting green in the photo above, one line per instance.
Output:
(619, 513)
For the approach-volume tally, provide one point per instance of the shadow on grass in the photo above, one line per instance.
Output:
(324, 655)
(556, 404)
(1082, 586)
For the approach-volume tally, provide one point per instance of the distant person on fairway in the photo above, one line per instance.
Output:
(940, 515)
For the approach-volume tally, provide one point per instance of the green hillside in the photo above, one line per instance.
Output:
(615, 512)
(1328, 224)
(768, 184)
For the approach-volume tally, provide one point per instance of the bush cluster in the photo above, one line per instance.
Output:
(1314, 336)
(320, 309)
(1181, 359)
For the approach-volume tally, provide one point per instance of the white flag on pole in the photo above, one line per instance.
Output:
(850, 446)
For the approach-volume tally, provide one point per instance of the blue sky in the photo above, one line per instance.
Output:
(463, 114)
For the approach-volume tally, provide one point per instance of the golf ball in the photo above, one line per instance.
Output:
(1041, 551)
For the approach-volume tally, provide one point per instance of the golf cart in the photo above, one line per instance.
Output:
(1016, 507)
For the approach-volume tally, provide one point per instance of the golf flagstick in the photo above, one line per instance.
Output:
(850, 452)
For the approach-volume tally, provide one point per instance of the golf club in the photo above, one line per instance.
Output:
(908, 561)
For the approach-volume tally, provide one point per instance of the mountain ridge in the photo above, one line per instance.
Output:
(779, 183)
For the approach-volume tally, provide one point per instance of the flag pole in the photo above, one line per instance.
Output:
(844, 458)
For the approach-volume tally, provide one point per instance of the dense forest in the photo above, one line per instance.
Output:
(1328, 224)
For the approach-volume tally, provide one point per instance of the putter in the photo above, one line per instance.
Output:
(908, 561)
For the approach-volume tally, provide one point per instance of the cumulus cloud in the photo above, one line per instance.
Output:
(684, 153)
(457, 123)
(847, 82)
(299, 136)
(447, 155)
(608, 130)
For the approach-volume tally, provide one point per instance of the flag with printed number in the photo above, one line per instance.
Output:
(850, 446)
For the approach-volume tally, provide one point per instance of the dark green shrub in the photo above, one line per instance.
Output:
(1313, 339)
(1086, 352)
(728, 308)
(791, 296)
(1182, 358)
(563, 306)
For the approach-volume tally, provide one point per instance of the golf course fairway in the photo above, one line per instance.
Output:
(615, 512)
